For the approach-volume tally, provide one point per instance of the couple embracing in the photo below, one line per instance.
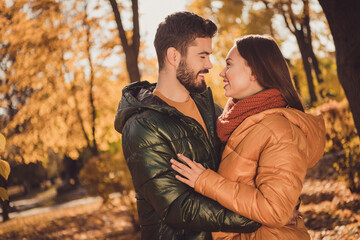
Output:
(203, 172)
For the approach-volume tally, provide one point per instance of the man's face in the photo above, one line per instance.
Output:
(192, 68)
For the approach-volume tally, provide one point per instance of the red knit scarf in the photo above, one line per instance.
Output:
(236, 111)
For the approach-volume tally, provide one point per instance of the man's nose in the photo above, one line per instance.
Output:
(208, 64)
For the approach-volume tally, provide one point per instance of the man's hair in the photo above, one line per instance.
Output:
(179, 30)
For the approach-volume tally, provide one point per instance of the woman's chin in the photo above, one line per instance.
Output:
(227, 94)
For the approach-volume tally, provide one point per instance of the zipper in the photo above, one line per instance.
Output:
(197, 125)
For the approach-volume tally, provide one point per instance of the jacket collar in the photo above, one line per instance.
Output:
(139, 96)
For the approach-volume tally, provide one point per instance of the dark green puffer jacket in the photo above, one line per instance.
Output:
(153, 133)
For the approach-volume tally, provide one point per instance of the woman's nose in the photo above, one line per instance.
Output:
(223, 73)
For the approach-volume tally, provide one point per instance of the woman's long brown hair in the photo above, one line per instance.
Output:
(269, 66)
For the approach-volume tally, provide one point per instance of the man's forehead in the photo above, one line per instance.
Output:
(203, 44)
(200, 40)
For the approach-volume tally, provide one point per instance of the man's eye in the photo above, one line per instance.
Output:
(203, 57)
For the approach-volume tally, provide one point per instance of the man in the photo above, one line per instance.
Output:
(176, 115)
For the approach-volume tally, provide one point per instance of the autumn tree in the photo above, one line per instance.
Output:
(57, 53)
(26, 55)
(299, 26)
(130, 40)
(7, 58)
(343, 18)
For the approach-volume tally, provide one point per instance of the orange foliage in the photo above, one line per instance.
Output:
(60, 88)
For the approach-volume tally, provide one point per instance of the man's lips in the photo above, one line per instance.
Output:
(202, 73)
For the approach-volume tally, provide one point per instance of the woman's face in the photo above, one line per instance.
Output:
(237, 76)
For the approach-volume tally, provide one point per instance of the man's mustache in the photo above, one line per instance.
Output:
(203, 71)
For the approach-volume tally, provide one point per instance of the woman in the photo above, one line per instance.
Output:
(270, 143)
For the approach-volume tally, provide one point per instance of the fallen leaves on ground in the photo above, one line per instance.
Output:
(329, 209)
(88, 221)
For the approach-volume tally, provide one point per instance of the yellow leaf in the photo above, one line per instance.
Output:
(4, 194)
(2, 142)
(4, 169)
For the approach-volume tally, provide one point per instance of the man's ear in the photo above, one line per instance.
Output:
(173, 56)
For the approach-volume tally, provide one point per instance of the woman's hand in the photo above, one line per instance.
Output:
(191, 173)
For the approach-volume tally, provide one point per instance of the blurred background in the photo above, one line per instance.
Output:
(63, 65)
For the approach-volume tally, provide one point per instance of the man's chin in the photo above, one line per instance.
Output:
(199, 88)
(190, 85)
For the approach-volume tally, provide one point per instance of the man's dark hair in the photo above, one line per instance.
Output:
(179, 30)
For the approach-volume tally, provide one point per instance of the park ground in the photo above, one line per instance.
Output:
(329, 209)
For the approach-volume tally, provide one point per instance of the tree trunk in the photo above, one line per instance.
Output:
(94, 146)
(297, 27)
(131, 51)
(311, 54)
(300, 38)
(315, 65)
(344, 19)
(132, 66)
(3, 201)
(5, 210)
(81, 121)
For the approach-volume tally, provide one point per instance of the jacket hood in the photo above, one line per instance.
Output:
(312, 126)
(135, 98)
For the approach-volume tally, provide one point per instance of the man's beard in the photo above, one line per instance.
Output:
(187, 78)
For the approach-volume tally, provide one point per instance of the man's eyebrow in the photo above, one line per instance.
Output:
(228, 59)
(204, 52)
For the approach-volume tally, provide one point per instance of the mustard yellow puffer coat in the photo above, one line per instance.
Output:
(262, 171)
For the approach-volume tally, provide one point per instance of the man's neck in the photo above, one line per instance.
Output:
(169, 86)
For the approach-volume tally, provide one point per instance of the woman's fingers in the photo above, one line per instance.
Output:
(180, 168)
(184, 180)
(185, 159)
(189, 171)
(177, 166)
(183, 170)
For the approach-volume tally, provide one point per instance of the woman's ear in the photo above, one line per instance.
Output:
(173, 56)
(253, 77)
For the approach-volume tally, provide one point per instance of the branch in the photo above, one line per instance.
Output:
(73, 91)
(92, 78)
(136, 30)
(266, 3)
(292, 16)
(81, 121)
(122, 33)
(306, 20)
(286, 22)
